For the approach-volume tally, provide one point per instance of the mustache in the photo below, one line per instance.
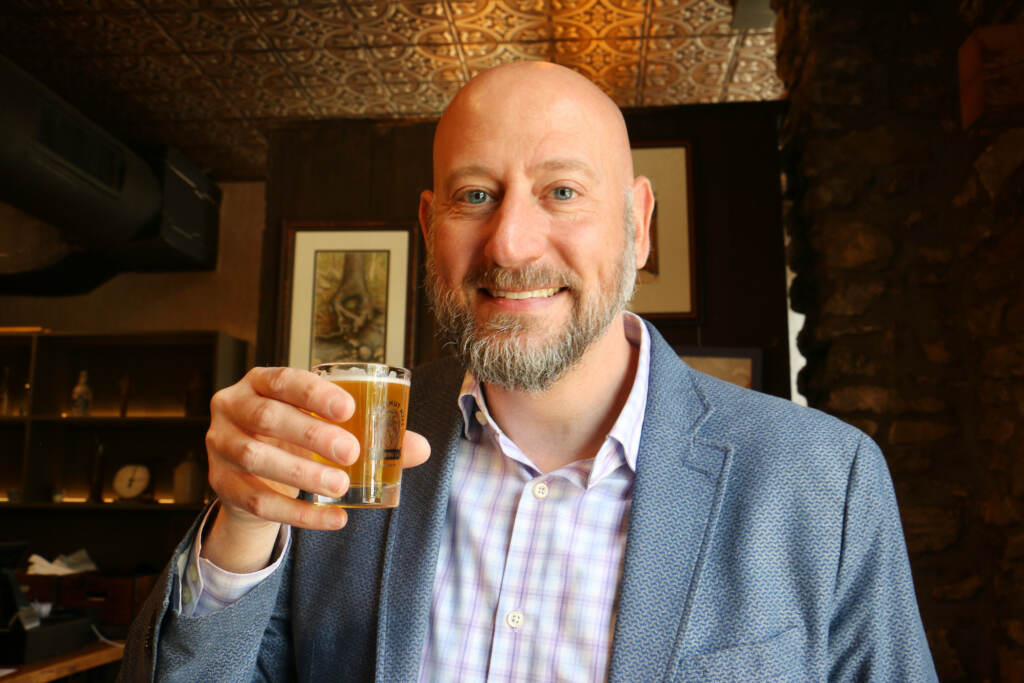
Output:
(529, 277)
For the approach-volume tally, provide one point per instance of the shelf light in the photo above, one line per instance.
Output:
(75, 499)
(165, 501)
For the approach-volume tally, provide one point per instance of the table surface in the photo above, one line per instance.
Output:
(52, 668)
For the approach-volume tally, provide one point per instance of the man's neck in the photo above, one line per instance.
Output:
(571, 420)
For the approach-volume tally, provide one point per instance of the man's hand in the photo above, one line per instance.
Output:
(260, 445)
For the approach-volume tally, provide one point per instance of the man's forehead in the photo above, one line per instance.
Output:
(552, 121)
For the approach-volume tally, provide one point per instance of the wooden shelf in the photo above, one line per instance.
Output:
(106, 507)
(52, 668)
(49, 455)
(114, 420)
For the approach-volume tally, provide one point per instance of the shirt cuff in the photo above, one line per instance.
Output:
(207, 588)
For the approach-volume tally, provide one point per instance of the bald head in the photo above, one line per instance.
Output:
(530, 102)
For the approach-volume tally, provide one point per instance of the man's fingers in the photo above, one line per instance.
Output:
(263, 416)
(304, 390)
(248, 496)
(415, 450)
(259, 458)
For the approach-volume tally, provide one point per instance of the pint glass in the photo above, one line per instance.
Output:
(381, 394)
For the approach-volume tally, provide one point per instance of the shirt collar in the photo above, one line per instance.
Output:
(627, 427)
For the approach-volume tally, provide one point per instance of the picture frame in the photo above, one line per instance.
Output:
(741, 366)
(667, 284)
(348, 292)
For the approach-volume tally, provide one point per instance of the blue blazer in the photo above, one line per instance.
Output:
(764, 543)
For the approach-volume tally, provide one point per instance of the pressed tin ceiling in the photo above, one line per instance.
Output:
(213, 77)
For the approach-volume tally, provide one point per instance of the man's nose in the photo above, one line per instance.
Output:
(519, 231)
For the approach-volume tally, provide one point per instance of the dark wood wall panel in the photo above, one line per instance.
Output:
(741, 272)
(339, 170)
(366, 171)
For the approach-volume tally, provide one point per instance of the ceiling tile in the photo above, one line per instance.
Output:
(132, 73)
(211, 30)
(412, 64)
(497, 21)
(680, 70)
(189, 105)
(262, 103)
(245, 68)
(609, 63)
(36, 6)
(422, 99)
(504, 53)
(755, 77)
(309, 27)
(596, 19)
(688, 17)
(164, 5)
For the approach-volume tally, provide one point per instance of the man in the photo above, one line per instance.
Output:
(594, 509)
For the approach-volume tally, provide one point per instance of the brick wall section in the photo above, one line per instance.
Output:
(907, 237)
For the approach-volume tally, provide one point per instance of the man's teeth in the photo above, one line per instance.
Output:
(531, 294)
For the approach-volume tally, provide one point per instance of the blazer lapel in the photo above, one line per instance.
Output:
(414, 530)
(676, 496)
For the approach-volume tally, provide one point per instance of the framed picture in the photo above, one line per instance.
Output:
(740, 366)
(348, 293)
(667, 285)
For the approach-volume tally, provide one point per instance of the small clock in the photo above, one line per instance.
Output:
(131, 481)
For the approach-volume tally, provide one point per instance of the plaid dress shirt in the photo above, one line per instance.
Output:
(529, 564)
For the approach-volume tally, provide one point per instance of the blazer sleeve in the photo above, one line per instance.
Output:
(246, 641)
(875, 632)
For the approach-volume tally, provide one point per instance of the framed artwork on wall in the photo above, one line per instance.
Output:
(741, 366)
(348, 293)
(667, 285)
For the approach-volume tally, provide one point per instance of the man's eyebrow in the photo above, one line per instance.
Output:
(554, 165)
(469, 170)
(567, 164)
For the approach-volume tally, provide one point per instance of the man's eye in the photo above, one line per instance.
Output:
(477, 197)
(563, 193)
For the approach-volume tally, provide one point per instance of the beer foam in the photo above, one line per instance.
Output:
(358, 374)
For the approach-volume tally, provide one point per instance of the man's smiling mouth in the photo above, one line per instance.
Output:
(525, 294)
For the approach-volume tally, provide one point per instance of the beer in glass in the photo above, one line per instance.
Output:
(381, 394)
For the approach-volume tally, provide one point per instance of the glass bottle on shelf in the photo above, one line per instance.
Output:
(81, 396)
(5, 392)
(188, 480)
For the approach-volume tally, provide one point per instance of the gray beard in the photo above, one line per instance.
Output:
(499, 351)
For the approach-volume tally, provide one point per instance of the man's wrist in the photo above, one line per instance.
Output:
(238, 544)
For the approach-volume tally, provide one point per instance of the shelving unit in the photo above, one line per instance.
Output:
(57, 469)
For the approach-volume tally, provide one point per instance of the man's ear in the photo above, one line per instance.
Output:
(643, 209)
(426, 199)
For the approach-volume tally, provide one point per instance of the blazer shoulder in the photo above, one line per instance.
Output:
(776, 429)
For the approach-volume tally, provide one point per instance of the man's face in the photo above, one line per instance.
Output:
(530, 237)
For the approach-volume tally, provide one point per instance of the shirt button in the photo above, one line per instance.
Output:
(514, 619)
(480, 417)
(540, 490)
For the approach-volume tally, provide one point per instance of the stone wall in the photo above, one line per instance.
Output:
(907, 238)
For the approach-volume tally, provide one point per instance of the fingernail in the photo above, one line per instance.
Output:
(336, 482)
(334, 408)
(340, 449)
(340, 519)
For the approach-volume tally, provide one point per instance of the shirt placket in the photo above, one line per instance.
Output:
(516, 617)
